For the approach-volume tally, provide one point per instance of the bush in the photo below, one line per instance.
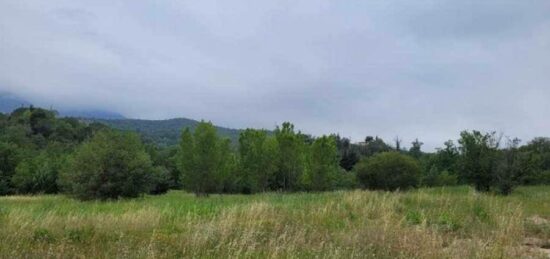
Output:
(4, 184)
(540, 178)
(435, 177)
(109, 166)
(345, 180)
(446, 178)
(36, 175)
(388, 171)
(10, 156)
(161, 180)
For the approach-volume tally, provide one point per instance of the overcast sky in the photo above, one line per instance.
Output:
(423, 68)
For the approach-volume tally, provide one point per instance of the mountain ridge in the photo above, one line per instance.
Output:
(10, 102)
(164, 132)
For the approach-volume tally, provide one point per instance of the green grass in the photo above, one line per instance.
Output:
(426, 223)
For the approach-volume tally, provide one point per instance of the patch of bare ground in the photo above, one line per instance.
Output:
(537, 252)
(537, 220)
(539, 246)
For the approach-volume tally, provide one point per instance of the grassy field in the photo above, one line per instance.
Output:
(426, 223)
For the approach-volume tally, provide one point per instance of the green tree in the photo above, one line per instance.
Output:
(109, 166)
(446, 158)
(257, 155)
(510, 168)
(440, 168)
(186, 157)
(228, 167)
(206, 176)
(541, 147)
(373, 145)
(478, 158)
(536, 161)
(42, 121)
(291, 160)
(165, 166)
(388, 171)
(202, 159)
(415, 150)
(10, 156)
(271, 162)
(29, 132)
(251, 152)
(349, 154)
(323, 167)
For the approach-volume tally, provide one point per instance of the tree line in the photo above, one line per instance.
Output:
(285, 161)
(41, 153)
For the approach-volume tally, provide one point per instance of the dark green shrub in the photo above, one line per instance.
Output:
(109, 166)
(10, 156)
(446, 178)
(36, 174)
(434, 177)
(4, 184)
(161, 180)
(346, 180)
(540, 178)
(388, 171)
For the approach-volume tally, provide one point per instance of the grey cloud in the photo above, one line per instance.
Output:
(425, 69)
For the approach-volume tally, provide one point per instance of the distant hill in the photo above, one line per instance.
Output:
(96, 114)
(163, 132)
(10, 102)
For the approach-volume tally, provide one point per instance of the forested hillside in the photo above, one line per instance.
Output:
(34, 144)
(164, 132)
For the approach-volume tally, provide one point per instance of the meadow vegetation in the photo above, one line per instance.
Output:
(100, 192)
(445, 222)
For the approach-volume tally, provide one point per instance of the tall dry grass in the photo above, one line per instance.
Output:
(355, 224)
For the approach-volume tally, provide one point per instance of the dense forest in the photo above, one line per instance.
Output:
(43, 153)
